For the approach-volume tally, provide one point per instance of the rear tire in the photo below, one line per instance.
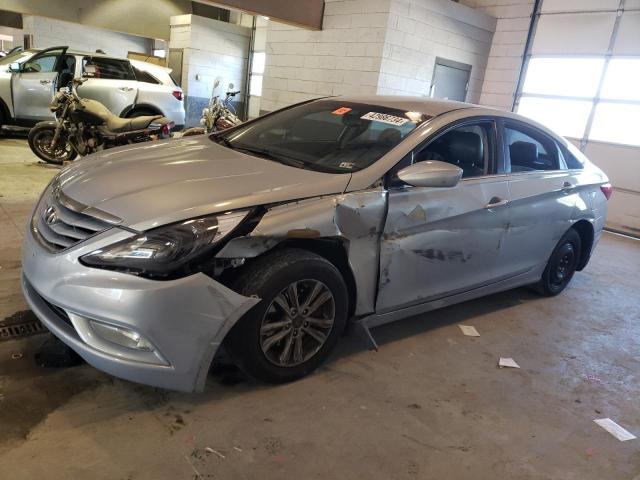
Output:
(297, 323)
(40, 138)
(561, 265)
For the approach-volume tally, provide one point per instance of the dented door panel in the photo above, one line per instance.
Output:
(441, 241)
(542, 210)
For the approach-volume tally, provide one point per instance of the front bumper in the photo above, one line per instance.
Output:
(185, 319)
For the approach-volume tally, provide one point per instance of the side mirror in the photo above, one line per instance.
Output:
(216, 83)
(431, 173)
(14, 67)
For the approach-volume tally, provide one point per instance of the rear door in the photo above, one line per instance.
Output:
(442, 241)
(112, 83)
(34, 86)
(544, 195)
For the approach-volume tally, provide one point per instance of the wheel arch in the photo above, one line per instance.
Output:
(5, 114)
(587, 234)
(131, 109)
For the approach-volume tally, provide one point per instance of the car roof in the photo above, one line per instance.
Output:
(428, 106)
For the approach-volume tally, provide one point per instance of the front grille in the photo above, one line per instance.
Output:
(60, 222)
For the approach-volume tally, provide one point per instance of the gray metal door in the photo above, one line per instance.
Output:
(450, 80)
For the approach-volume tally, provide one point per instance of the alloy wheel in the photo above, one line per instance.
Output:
(297, 323)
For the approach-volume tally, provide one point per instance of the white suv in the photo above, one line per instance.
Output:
(128, 88)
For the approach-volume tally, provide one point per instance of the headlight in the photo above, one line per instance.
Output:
(163, 251)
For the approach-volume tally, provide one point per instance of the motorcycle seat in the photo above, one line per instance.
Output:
(121, 125)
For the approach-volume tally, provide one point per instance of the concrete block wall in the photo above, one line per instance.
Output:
(374, 47)
(49, 32)
(211, 50)
(421, 30)
(343, 58)
(507, 49)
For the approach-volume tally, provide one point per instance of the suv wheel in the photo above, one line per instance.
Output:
(561, 265)
(302, 314)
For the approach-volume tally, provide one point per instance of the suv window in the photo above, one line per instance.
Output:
(109, 68)
(468, 147)
(530, 151)
(146, 77)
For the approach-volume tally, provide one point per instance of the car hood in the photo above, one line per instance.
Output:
(160, 182)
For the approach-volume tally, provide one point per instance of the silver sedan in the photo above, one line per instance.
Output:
(270, 237)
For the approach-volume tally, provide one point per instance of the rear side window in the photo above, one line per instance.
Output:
(530, 150)
(109, 68)
(572, 160)
(146, 77)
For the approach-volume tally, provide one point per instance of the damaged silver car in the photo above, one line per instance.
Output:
(270, 237)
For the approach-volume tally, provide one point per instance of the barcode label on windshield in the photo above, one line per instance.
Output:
(384, 118)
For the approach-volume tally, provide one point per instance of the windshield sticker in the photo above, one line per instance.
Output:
(341, 111)
(385, 118)
(347, 165)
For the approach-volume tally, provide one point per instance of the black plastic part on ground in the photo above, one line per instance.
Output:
(55, 354)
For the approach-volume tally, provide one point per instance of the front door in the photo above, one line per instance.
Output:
(34, 85)
(442, 241)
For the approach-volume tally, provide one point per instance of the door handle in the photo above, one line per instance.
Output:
(496, 202)
(45, 82)
(567, 186)
(125, 89)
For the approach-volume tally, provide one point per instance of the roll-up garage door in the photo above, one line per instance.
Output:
(582, 79)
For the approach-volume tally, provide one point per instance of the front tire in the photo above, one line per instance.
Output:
(561, 265)
(40, 138)
(297, 324)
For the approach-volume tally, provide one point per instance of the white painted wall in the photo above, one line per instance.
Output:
(421, 30)
(507, 49)
(343, 58)
(373, 46)
(211, 50)
(48, 32)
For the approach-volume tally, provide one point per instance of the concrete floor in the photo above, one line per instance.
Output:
(431, 404)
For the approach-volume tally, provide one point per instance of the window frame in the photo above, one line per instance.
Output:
(496, 155)
(132, 73)
(532, 131)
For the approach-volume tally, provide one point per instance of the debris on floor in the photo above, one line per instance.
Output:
(211, 450)
(469, 331)
(55, 354)
(614, 429)
(16, 356)
(507, 362)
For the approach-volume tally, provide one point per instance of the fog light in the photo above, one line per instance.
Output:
(121, 336)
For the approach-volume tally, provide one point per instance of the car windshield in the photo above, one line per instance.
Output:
(324, 135)
(19, 57)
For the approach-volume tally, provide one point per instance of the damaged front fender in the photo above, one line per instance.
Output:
(355, 218)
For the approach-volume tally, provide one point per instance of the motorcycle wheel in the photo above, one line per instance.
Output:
(40, 142)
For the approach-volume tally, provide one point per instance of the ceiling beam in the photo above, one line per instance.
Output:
(301, 13)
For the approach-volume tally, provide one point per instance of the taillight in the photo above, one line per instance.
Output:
(166, 128)
(607, 189)
(177, 94)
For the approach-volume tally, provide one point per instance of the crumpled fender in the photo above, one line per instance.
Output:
(356, 218)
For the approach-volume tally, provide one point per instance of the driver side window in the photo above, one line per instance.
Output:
(469, 147)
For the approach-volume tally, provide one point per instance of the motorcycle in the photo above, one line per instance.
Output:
(83, 126)
(218, 115)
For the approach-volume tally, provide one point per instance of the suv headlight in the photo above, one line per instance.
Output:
(163, 251)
